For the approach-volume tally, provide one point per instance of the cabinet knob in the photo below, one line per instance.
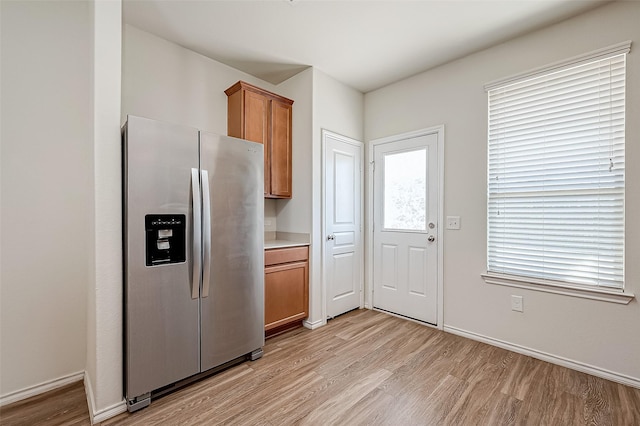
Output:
(331, 237)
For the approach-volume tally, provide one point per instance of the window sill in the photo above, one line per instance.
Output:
(604, 295)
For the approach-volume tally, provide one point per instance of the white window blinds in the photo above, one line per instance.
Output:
(556, 174)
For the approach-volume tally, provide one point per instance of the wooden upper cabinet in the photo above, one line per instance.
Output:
(260, 116)
(281, 149)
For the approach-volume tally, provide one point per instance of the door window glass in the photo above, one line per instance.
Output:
(405, 190)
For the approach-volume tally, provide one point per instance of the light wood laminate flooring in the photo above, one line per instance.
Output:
(369, 368)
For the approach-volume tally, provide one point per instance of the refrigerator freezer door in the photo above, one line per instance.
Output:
(233, 312)
(161, 317)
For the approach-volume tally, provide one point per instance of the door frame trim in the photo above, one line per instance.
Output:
(323, 221)
(439, 132)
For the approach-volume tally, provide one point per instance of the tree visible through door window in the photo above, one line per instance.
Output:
(405, 190)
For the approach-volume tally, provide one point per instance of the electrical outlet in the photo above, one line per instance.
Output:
(453, 222)
(516, 303)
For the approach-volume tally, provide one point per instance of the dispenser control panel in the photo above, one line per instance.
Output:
(165, 238)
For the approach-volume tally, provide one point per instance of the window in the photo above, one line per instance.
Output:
(556, 174)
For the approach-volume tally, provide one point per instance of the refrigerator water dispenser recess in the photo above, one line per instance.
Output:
(165, 238)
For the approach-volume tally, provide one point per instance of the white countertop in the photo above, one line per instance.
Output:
(271, 244)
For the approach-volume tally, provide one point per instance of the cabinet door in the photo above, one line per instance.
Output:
(256, 127)
(281, 115)
(286, 294)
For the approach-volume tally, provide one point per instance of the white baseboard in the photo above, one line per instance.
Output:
(98, 416)
(40, 388)
(313, 325)
(544, 356)
(108, 412)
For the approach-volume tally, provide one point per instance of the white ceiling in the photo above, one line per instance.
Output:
(365, 44)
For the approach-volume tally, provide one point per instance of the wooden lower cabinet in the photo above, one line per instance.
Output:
(286, 288)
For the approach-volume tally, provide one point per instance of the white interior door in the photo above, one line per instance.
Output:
(405, 210)
(343, 254)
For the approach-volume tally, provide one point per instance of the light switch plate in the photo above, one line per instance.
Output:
(516, 303)
(453, 222)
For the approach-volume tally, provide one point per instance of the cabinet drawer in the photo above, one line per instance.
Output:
(286, 255)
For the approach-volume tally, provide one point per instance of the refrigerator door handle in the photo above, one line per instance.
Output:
(206, 232)
(197, 233)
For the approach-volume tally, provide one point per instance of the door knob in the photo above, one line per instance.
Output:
(431, 238)
(331, 237)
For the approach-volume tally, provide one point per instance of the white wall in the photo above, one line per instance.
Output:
(164, 81)
(270, 216)
(337, 107)
(294, 215)
(103, 379)
(47, 199)
(340, 109)
(599, 334)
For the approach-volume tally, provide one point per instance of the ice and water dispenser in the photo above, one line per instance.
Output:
(165, 238)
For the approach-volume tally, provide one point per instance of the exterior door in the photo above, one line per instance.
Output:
(405, 188)
(343, 223)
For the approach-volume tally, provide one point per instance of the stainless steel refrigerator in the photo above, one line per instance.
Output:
(193, 255)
